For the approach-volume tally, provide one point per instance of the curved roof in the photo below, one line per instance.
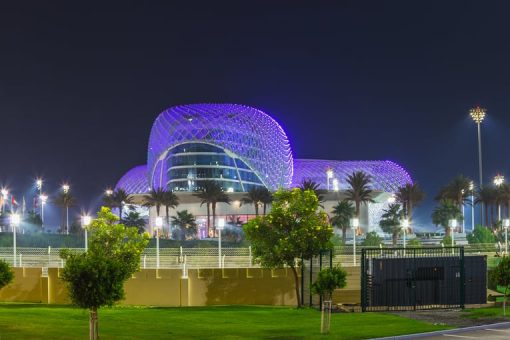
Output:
(386, 175)
(250, 134)
(134, 181)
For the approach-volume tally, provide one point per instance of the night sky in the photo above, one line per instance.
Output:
(80, 85)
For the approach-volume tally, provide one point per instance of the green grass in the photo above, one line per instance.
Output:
(25, 321)
(490, 312)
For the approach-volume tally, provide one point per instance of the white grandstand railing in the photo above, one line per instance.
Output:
(190, 258)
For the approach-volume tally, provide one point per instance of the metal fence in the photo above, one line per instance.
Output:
(195, 257)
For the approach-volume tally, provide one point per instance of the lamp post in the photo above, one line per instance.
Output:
(159, 224)
(392, 199)
(478, 114)
(472, 189)
(85, 222)
(329, 175)
(453, 224)
(506, 224)
(404, 225)
(354, 225)
(220, 227)
(108, 192)
(65, 189)
(15, 221)
(498, 181)
(335, 185)
(5, 196)
(43, 199)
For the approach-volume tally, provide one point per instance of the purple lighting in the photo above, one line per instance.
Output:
(242, 131)
(386, 175)
(134, 181)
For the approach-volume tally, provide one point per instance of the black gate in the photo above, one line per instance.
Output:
(420, 278)
(309, 270)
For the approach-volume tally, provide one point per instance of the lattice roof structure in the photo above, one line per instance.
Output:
(134, 181)
(386, 176)
(248, 133)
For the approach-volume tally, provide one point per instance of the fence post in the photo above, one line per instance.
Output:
(302, 281)
(49, 256)
(363, 281)
(462, 279)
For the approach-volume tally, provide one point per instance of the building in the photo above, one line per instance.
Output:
(241, 147)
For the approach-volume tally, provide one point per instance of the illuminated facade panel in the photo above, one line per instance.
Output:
(134, 181)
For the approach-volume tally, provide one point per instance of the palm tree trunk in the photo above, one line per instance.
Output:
(265, 206)
(208, 219)
(343, 234)
(256, 205)
(213, 206)
(394, 238)
(447, 233)
(357, 213)
(121, 208)
(167, 208)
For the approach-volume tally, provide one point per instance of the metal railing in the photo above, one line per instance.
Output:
(195, 257)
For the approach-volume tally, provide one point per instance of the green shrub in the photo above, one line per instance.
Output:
(481, 235)
(328, 280)
(372, 240)
(414, 243)
(6, 274)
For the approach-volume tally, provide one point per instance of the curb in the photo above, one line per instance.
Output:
(449, 331)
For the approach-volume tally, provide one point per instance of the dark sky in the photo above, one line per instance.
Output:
(80, 84)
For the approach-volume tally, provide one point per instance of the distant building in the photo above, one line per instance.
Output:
(241, 147)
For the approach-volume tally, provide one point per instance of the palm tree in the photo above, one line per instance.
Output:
(211, 194)
(359, 190)
(444, 212)
(119, 198)
(186, 223)
(257, 196)
(342, 214)
(504, 196)
(410, 195)
(64, 200)
(156, 198)
(308, 184)
(391, 220)
(487, 197)
(170, 200)
(458, 191)
(133, 219)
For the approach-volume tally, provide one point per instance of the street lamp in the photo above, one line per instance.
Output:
(38, 184)
(392, 199)
(85, 222)
(159, 224)
(354, 225)
(478, 114)
(43, 199)
(335, 185)
(220, 227)
(65, 189)
(498, 181)
(329, 175)
(108, 192)
(452, 224)
(15, 221)
(404, 224)
(472, 190)
(506, 224)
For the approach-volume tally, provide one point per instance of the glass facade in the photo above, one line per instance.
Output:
(190, 164)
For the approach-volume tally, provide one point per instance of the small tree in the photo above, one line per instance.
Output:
(483, 237)
(6, 274)
(294, 229)
(501, 276)
(391, 220)
(328, 280)
(96, 278)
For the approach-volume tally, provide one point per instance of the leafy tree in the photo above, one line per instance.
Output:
(446, 211)
(33, 221)
(64, 200)
(211, 194)
(133, 219)
(6, 274)
(257, 196)
(413, 243)
(410, 195)
(448, 241)
(501, 275)
(328, 280)
(186, 223)
(391, 221)
(359, 190)
(308, 184)
(96, 278)
(372, 240)
(342, 214)
(294, 229)
(457, 191)
(118, 199)
(481, 235)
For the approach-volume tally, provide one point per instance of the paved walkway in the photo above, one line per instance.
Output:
(494, 331)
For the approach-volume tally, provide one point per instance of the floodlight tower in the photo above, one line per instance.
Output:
(329, 176)
(478, 115)
(65, 190)
(498, 181)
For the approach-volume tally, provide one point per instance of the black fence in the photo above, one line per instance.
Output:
(421, 278)
(309, 271)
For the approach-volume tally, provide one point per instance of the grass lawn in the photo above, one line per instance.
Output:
(490, 312)
(32, 321)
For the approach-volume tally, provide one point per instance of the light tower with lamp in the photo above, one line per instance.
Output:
(498, 181)
(404, 224)
(159, 225)
(329, 176)
(85, 222)
(478, 115)
(15, 222)
(506, 225)
(354, 222)
(220, 227)
(43, 198)
(472, 191)
(65, 190)
(5, 196)
(452, 223)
